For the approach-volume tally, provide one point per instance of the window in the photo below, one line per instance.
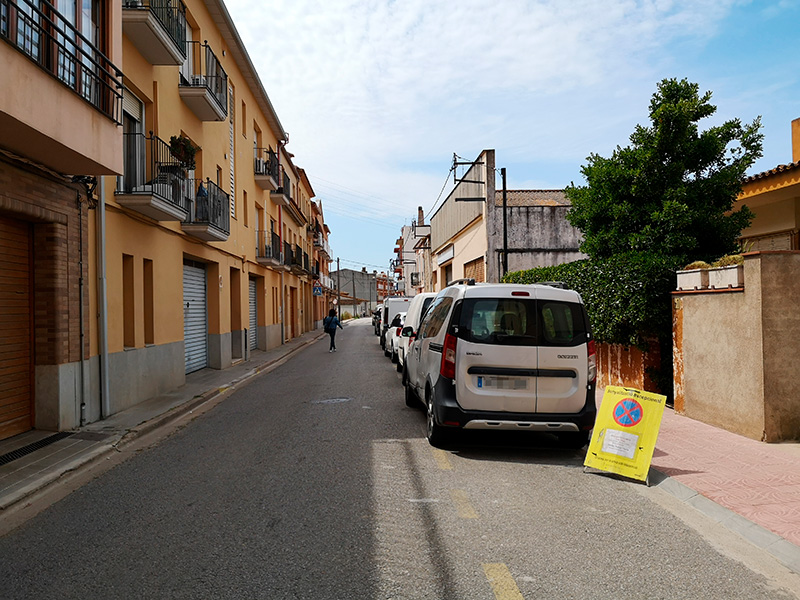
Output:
(499, 321)
(562, 324)
(149, 302)
(128, 303)
(435, 318)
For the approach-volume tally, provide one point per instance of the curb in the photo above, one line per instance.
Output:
(779, 548)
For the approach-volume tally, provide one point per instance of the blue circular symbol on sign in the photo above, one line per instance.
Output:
(628, 412)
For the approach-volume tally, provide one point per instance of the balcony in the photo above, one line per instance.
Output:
(297, 260)
(204, 83)
(321, 244)
(282, 195)
(154, 182)
(266, 169)
(288, 256)
(268, 248)
(45, 57)
(157, 28)
(209, 212)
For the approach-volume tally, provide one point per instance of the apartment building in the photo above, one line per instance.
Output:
(60, 130)
(152, 221)
(323, 288)
(206, 233)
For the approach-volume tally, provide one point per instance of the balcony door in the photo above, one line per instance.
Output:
(133, 149)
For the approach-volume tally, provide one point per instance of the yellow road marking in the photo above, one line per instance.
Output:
(463, 505)
(503, 584)
(442, 459)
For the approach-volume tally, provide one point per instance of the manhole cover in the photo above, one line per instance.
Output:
(331, 401)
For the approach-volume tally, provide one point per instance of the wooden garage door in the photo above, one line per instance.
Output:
(16, 397)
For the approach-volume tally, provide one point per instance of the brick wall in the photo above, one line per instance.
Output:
(51, 207)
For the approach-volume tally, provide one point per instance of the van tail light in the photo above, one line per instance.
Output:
(448, 368)
(592, 361)
(397, 331)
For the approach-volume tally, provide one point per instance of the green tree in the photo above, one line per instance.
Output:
(670, 193)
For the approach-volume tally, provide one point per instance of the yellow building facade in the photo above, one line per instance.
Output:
(205, 235)
(152, 221)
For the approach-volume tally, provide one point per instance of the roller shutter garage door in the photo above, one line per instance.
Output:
(195, 320)
(252, 334)
(16, 351)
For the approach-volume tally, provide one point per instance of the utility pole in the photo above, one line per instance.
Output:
(338, 289)
(505, 226)
(355, 306)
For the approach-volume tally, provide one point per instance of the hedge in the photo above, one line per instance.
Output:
(627, 296)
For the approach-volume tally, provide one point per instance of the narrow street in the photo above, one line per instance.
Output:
(315, 481)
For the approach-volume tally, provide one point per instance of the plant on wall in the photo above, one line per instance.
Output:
(184, 150)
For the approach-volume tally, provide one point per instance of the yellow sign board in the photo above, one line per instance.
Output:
(625, 432)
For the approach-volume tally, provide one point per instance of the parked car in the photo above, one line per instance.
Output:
(393, 336)
(416, 310)
(506, 357)
(376, 319)
(391, 306)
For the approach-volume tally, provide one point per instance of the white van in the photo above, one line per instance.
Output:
(391, 306)
(416, 310)
(505, 356)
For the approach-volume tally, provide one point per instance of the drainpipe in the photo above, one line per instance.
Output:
(82, 417)
(281, 144)
(102, 301)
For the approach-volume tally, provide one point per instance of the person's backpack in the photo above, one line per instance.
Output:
(327, 324)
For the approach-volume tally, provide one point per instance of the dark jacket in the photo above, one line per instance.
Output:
(329, 323)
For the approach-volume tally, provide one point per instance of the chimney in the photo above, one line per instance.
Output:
(420, 216)
(796, 140)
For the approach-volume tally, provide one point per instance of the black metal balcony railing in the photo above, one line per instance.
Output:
(170, 13)
(210, 206)
(268, 245)
(266, 163)
(287, 253)
(42, 33)
(287, 185)
(151, 168)
(202, 69)
(297, 256)
(305, 262)
(315, 271)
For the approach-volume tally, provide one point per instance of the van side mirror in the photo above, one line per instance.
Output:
(408, 332)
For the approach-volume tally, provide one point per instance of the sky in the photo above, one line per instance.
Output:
(378, 95)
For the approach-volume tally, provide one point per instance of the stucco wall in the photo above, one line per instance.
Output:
(735, 352)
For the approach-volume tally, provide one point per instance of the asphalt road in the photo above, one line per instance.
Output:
(315, 482)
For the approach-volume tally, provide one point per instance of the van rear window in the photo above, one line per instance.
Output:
(522, 322)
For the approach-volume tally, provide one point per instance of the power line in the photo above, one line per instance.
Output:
(446, 179)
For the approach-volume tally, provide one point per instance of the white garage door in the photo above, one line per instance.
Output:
(252, 333)
(195, 320)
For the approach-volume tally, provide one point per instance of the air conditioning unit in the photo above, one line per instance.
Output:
(198, 80)
(261, 165)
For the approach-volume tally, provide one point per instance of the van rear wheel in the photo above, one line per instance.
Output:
(436, 434)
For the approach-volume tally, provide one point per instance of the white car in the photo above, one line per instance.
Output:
(393, 336)
(416, 310)
(504, 356)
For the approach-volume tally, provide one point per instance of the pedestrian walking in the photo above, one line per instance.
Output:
(329, 324)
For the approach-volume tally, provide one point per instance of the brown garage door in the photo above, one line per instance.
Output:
(16, 397)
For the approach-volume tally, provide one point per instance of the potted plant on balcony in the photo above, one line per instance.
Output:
(727, 272)
(694, 276)
(184, 150)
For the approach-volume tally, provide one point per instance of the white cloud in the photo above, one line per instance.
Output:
(378, 94)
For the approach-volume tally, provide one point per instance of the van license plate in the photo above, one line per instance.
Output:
(503, 383)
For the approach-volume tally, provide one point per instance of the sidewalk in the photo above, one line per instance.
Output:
(749, 487)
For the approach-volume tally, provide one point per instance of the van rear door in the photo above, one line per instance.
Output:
(496, 352)
(563, 352)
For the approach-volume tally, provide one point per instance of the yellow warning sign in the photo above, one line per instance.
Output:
(625, 432)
